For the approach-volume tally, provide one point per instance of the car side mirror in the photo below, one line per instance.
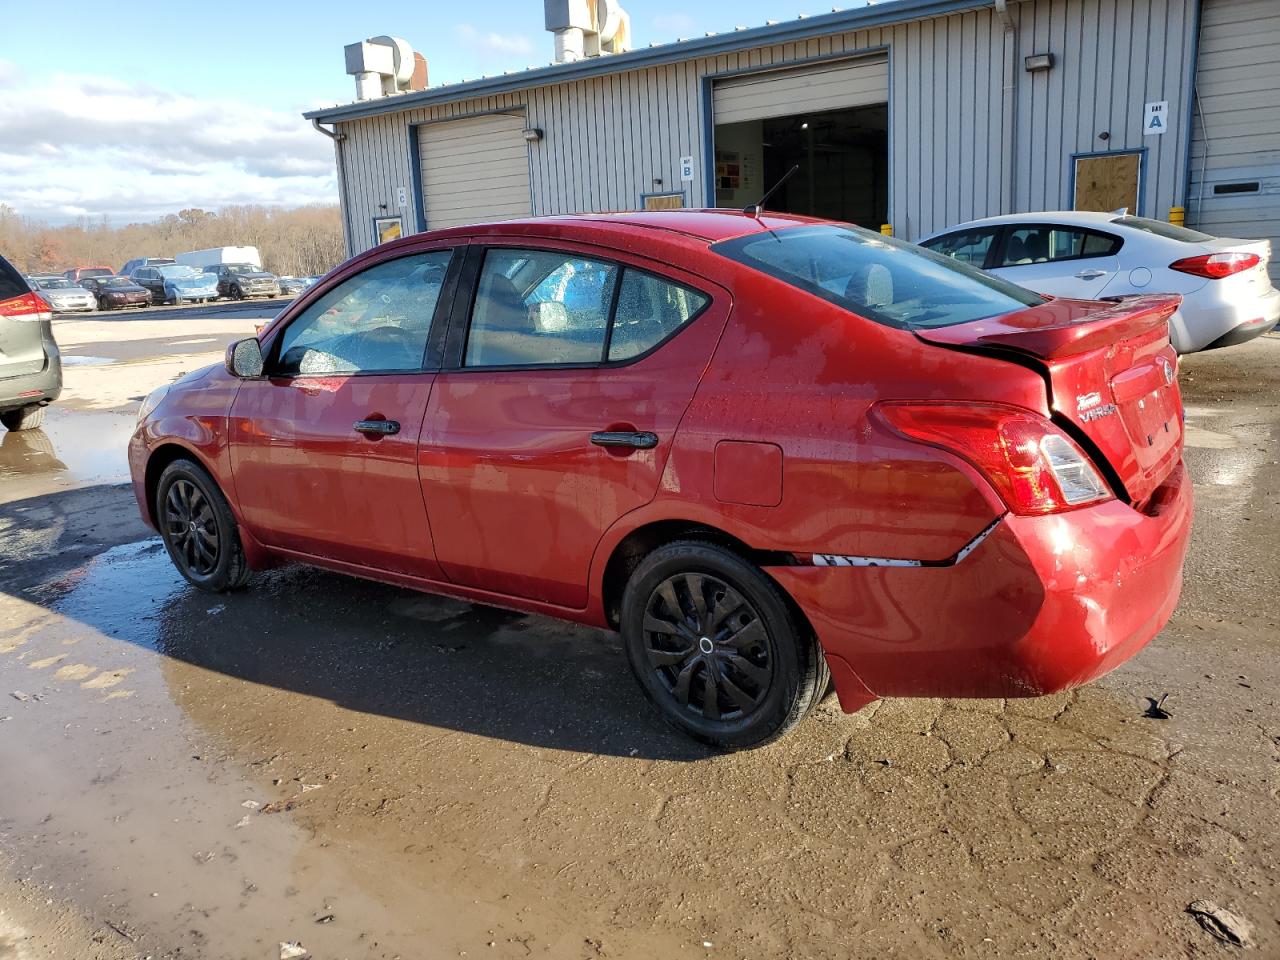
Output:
(244, 359)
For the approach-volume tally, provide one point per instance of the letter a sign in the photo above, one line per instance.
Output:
(1156, 118)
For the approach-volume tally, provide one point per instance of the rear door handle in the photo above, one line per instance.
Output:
(378, 428)
(1091, 274)
(636, 439)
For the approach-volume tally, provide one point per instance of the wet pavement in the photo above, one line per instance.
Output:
(378, 773)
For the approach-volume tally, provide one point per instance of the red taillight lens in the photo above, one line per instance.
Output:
(29, 306)
(1034, 466)
(1215, 266)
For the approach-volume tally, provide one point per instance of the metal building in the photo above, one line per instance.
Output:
(915, 113)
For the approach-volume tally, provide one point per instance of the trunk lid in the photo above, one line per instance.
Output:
(1111, 372)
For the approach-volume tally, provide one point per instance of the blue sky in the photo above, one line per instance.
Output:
(104, 116)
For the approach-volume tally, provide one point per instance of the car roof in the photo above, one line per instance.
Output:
(1078, 218)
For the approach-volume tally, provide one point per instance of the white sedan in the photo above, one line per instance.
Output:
(1227, 296)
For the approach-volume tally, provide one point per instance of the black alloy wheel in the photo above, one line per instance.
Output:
(717, 646)
(198, 528)
(191, 527)
(708, 645)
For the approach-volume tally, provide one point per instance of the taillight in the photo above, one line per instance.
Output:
(1215, 266)
(1034, 466)
(29, 306)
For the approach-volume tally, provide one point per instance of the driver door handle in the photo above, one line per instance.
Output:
(1091, 274)
(636, 439)
(377, 428)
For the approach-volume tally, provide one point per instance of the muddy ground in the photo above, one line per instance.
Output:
(376, 773)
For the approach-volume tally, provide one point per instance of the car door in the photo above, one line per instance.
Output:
(324, 444)
(566, 374)
(1057, 259)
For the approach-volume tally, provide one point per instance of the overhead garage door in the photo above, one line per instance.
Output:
(1235, 153)
(475, 169)
(780, 93)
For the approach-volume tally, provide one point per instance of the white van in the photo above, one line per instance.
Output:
(215, 256)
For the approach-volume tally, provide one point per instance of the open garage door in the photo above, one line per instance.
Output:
(831, 119)
(1235, 153)
(474, 169)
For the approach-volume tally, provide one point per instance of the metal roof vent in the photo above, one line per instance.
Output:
(587, 28)
(383, 66)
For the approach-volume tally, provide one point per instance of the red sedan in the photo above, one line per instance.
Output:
(769, 451)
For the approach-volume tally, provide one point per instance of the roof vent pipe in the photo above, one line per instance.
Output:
(587, 28)
(384, 66)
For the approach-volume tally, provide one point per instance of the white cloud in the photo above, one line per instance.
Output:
(495, 44)
(78, 145)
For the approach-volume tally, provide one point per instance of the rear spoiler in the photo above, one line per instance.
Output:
(1090, 325)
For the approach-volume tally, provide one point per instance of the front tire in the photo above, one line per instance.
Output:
(716, 647)
(198, 528)
(237, 293)
(28, 418)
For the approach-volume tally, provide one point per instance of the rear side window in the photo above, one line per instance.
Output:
(886, 280)
(11, 282)
(543, 308)
(1045, 244)
(1161, 229)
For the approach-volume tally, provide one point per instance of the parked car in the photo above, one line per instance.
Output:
(61, 294)
(760, 447)
(241, 280)
(292, 286)
(1227, 296)
(30, 364)
(217, 256)
(113, 293)
(136, 262)
(76, 274)
(175, 282)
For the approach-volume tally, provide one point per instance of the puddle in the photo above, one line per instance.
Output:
(87, 446)
(70, 360)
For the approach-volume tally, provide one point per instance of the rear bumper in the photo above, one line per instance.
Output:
(1209, 323)
(1041, 605)
(33, 388)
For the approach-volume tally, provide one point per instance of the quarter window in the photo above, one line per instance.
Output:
(649, 310)
(376, 321)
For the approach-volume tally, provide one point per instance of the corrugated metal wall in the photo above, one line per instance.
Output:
(1238, 123)
(608, 139)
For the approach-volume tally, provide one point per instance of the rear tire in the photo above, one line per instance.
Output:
(198, 528)
(28, 418)
(716, 647)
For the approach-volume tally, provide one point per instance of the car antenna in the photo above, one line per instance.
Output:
(755, 209)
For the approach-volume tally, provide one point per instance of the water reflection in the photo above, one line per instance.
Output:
(90, 446)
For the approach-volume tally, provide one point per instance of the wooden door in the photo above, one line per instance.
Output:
(1108, 182)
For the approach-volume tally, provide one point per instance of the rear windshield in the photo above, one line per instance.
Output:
(886, 280)
(1162, 229)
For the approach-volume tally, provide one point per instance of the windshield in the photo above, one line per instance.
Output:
(117, 282)
(243, 268)
(94, 272)
(178, 272)
(57, 283)
(1162, 229)
(886, 280)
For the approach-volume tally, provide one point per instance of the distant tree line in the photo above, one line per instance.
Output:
(304, 241)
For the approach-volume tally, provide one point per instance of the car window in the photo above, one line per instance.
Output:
(1045, 244)
(376, 321)
(890, 281)
(537, 307)
(967, 246)
(1161, 229)
(649, 311)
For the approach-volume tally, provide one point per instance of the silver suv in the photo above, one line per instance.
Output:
(30, 364)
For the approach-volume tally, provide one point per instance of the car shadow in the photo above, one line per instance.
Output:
(365, 646)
